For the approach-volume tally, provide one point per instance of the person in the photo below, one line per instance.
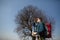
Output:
(39, 27)
(48, 25)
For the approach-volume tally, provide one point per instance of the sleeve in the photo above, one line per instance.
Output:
(33, 25)
(45, 28)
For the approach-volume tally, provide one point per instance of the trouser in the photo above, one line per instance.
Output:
(33, 38)
(42, 35)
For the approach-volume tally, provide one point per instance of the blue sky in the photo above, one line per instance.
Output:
(9, 9)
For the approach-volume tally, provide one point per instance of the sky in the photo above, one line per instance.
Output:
(9, 9)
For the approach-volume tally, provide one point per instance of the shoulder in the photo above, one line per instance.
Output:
(33, 23)
(43, 23)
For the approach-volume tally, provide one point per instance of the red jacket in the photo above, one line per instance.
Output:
(48, 25)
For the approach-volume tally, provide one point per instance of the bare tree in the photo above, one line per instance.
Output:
(25, 18)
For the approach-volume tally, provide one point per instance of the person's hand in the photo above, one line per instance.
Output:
(34, 33)
(47, 33)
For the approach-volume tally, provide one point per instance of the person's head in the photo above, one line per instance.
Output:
(38, 19)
